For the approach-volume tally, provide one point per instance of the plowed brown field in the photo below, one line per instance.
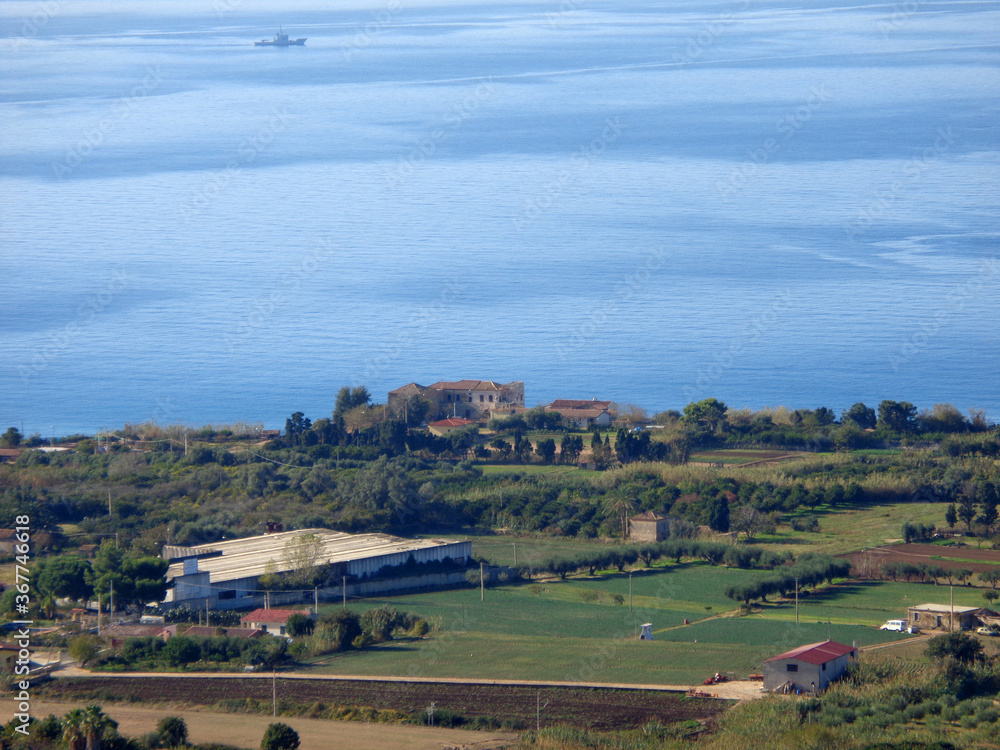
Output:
(598, 708)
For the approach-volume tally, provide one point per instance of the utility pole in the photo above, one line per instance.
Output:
(316, 600)
(629, 592)
(515, 554)
(796, 601)
(482, 585)
(100, 606)
(274, 692)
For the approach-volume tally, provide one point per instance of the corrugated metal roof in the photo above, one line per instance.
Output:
(243, 558)
(816, 653)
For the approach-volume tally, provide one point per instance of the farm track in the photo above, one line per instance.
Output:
(590, 707)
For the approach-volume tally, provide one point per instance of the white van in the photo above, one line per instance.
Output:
(896, 626)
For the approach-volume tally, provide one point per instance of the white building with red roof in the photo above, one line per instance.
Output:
(809, 668)
(271, 621)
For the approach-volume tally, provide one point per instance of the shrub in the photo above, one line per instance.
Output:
(299, 625)
(172, 731)
(279, 736)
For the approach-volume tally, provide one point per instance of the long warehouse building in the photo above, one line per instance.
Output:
(226, 574)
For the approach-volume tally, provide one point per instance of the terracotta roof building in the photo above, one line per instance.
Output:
(271, 621)
(583, 414)
(809, 668)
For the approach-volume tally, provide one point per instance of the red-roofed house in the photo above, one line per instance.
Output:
(583, 414)
(444, 426)
(809, 668)
(271, 621)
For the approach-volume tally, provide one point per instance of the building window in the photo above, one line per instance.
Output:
(791, 667)
(824, 667)
(491, 398)
(449, 397)
(481, 398)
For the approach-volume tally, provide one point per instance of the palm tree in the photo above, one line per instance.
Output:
(73, 733)
(94, 724)
(618, 504)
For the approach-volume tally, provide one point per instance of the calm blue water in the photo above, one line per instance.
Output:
(766, 202)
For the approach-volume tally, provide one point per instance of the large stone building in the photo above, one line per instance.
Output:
(466, 399)
(810, 668)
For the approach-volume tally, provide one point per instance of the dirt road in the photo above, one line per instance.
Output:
(246, 730)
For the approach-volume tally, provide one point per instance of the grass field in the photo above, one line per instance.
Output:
(845, 530)
(572, 630)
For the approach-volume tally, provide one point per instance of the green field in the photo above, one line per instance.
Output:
(558, 630)
(845, 530)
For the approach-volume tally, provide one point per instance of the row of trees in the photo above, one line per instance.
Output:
(620, 557)
(809, 570)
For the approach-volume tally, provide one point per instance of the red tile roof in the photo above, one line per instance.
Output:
(273, 616)
(816, 653)
(451, 422)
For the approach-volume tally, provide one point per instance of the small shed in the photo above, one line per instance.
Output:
(647, 632)
(649, 527)
(808, 668)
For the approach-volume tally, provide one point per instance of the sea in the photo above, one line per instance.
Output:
(769, 202)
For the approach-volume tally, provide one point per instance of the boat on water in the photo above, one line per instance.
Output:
(280, 40)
